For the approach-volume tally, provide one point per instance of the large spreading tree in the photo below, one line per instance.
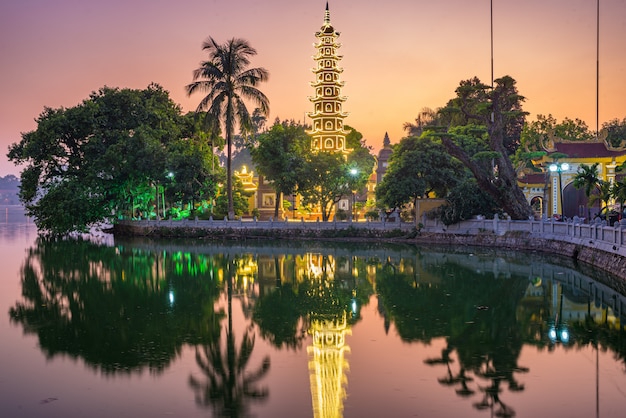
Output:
(228, 82)
(96, 160)
(497, 119)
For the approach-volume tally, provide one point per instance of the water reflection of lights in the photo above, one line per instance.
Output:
(558, 334)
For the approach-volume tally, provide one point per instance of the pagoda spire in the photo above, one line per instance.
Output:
(327, 133)
(327, 15)
(386, 141)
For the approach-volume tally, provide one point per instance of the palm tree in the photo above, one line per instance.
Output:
(618, 192)
(228, 82)
(603, 196)
(587, 178)
(426, 117)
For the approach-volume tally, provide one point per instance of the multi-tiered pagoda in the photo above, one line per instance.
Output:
(327, 133)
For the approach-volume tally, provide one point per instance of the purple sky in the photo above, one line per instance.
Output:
(399, 55)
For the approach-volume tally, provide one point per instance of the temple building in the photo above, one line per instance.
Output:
(327, 133)
(551, 192)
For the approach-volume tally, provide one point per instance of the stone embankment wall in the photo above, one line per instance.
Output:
(600, 246)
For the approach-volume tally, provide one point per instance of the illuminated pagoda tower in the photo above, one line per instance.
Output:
(327, 133)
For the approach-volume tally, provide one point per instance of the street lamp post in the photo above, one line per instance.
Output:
(353, 173)
(559, 168)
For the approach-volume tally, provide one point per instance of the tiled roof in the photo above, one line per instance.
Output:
(586, 150)
(539, 178)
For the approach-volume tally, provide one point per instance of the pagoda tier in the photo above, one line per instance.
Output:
(327, 133)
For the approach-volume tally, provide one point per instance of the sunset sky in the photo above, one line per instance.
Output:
(399, 55)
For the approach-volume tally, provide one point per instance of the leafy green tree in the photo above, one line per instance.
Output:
(83, 163)
(360, 159)
(536, 136)
(194, 178)
(573, 130)
(240, 201)
(615, 132)
(466, 200)
(499, 112)
(9, 189)
(417, 168)
(228, 81)
(279, 155)
(324, 180)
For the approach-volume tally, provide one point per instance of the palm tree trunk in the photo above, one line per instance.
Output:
(229, 176)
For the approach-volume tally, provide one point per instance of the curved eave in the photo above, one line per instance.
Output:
(338, 70)
(323, 34)
(315, 115)
(321, 133)
(322, 56)
(327, 83)
(326, 99)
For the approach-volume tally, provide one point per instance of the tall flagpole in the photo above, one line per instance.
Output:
(491, 17)
(597, 69)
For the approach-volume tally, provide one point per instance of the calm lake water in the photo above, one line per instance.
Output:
(138, 328)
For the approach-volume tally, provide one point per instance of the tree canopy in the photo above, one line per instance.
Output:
(104, 158)
(496, 118)
(419, 167)
(279, 155)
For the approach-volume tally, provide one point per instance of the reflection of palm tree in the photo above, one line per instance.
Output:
(451, 379)
(228, 388)
(491, 398)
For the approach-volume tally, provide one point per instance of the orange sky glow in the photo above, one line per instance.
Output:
(399, 55)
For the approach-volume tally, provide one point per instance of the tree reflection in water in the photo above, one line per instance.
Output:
(132, 307)
(121, 309)
(228, 388)
(478, 318)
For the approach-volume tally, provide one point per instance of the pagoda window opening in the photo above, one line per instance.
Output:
(339, 143)
(328, 64)
(329, 107)
(329, 125)
(329, 77)
(328, 143)
(328, 91)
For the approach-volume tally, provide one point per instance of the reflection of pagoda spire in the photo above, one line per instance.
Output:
(327, 364)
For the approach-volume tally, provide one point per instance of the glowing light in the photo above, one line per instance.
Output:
(552, 334)
(171, 297)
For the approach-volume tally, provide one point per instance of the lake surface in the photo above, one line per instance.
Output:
(139, 328)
